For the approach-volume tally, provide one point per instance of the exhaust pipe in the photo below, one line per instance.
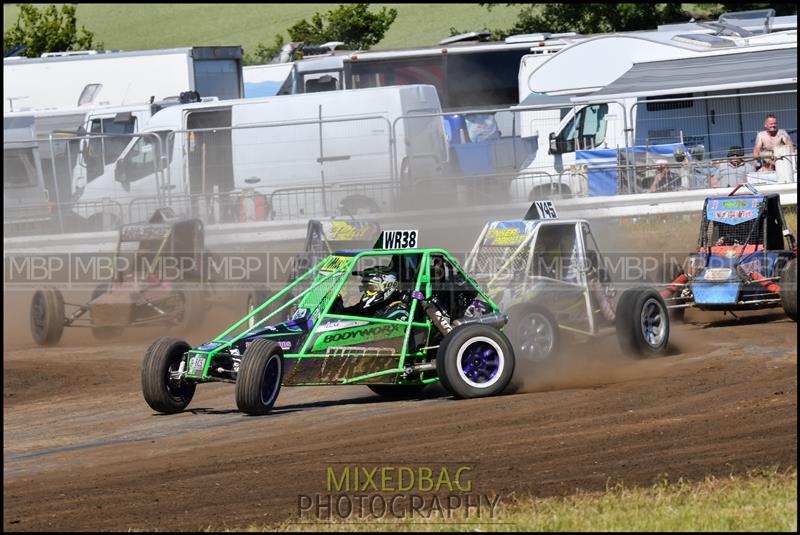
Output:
(495, 319)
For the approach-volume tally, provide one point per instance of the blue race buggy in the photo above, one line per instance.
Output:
(746, 258)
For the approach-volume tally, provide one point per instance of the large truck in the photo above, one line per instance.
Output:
(295, 143)
(95, 78)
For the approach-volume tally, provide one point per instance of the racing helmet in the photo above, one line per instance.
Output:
(378, 285)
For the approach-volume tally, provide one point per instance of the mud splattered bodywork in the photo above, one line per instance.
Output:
(327, 342)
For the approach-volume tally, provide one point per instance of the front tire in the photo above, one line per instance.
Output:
(161, 392)
(789, 289)
(475, 361)
(642, 323)
(260, 376)
(47, 316)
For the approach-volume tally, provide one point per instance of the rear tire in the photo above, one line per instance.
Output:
(397, 391)
(259, 380)
(789, 289)
(47, 316)
(475, 361)
(642, 323)
(160, 391)
(358, 204)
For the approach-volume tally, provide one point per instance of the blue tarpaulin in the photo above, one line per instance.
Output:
(602, 163)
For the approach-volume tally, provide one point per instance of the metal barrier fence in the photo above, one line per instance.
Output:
(714, 122)
(324, 166)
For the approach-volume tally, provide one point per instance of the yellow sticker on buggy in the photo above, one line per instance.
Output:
(347, 231)
(335, 263)
(507, 233)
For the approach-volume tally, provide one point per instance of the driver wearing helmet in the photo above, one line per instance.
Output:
(381, 296)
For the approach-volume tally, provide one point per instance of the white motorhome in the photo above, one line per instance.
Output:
(94, 78)
(630, 109)
(591, 63)
(284, 142)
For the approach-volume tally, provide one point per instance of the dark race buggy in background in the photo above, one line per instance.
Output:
(323, 237)
(158, 279)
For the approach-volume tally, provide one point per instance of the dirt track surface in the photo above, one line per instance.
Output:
(82, 451)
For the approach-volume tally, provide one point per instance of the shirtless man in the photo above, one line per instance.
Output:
(770, 138)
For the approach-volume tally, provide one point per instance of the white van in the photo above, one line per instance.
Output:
(279, 143)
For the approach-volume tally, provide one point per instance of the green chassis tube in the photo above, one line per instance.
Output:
(332, 273)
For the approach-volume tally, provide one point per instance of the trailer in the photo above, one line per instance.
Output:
(95, 78)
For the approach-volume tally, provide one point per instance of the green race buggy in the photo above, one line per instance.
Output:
(450, 332)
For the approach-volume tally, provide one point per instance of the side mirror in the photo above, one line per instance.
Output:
(553, 144)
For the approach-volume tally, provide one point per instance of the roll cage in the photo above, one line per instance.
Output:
(316, 305)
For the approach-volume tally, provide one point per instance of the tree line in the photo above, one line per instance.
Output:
(48, 29)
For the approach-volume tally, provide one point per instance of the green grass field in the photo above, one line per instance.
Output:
(150, 26)
(762, 500)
